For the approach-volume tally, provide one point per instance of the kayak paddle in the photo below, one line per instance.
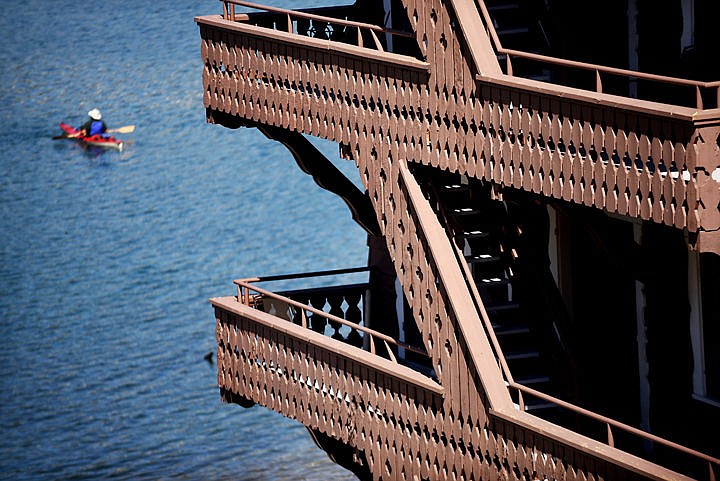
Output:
(123, 130)
(66, 136)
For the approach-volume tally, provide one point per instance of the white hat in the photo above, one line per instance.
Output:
(95, 114)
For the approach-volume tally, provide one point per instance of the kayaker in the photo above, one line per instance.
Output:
(95, 125)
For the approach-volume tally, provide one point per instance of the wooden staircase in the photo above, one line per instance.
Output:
(487, 233)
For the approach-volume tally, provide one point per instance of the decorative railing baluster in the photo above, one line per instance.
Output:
(335, 303)
(312, 25)
(321, 310)
(319, 323)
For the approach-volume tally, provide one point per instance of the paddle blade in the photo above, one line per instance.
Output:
(123, 130)
(66, 135)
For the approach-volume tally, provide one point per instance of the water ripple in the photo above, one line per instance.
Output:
(107, 259)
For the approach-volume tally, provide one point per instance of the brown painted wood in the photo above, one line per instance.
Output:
(387, 111)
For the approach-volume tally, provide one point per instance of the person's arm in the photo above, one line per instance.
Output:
(86, 126)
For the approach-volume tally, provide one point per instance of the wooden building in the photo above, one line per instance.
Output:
(543, 224)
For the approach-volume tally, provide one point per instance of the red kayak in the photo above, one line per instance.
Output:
(103, 141)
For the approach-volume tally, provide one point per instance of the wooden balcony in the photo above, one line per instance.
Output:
(345, 382)
(635, 158)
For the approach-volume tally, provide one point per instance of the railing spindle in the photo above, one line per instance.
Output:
(611, 439)
(698, 98)
(289, 24)
(521, 400)
(598, 82)
(378, 45)
(360, 39)
(390, 353)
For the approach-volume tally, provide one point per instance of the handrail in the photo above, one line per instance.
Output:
(303, 275)
(610, 423)
(594, 67)
(244, 288)
(229, 14)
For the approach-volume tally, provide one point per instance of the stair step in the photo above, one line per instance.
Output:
(489, 218)
(481, 259)
(513, 356)
(505, 306)
(511, 331)
(513, 31)
(473, 234)
(504, 6)
(454, 187)
(492, 281)
(465, 211)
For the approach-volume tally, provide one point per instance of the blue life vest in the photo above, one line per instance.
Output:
(96, 128)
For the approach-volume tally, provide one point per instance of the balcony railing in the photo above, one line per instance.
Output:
(310, 24)
(598, 70)
(346, 324)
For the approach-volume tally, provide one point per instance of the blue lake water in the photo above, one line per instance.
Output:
(107, 260)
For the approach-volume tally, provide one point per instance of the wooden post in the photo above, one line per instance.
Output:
(390, 353)
(698, 98)
(377, 42)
